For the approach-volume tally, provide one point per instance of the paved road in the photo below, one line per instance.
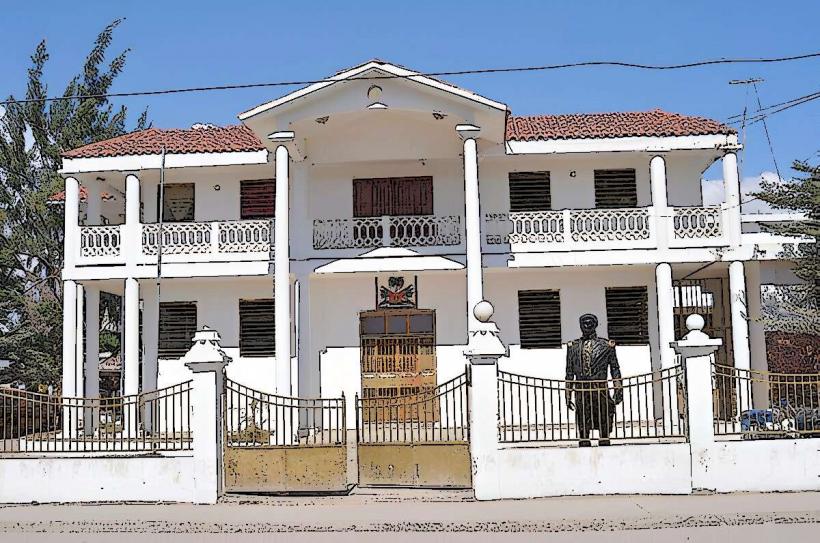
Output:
(428, 516)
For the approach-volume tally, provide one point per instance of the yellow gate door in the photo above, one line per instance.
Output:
(416, 440)
(283, 444)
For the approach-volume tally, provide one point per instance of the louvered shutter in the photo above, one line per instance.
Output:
(539, 319)
(256, 328)
(177, 325)
(363, 197)
(411, 196)
(627, 315)
(257, 198)
(615, 188)
(530, 191)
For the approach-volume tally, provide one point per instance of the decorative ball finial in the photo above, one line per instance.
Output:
(483, 311)
(695, 322)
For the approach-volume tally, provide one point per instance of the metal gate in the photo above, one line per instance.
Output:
(416, 440)
(283, 444)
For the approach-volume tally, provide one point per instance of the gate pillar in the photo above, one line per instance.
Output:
(484, 348)
(207, 361)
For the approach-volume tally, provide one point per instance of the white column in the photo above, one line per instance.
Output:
(69, 357)
(281, 272)
(308, 360)
(666, 318)
(484, 348)
(131, 346)
(131, 354)
(696, 350)
(657, 182)
(132, 237)
(666, 335)
(79, 379)
(472, 215)
(757, 336)
(207, 361)
(740, 333)
(731, 190)
(71, 228)
(69, 338)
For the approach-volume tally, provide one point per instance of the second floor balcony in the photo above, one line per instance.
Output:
(215, 241)
(596, 229)
(387, 231)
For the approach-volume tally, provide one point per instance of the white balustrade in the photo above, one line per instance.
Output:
(570, 228)
(606, 225)
(100, 241)
(387, 231)
(697, 222)
(245, 236)
(200, 240)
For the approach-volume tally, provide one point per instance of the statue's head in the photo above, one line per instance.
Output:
(589, 323)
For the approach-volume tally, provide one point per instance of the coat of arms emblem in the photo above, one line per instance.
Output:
(395, 294)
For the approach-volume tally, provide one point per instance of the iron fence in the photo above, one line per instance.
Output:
(644, 407)
(439, 415)
(158, 420)
(257, 419)
(751, 404)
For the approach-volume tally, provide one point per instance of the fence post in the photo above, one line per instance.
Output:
(207, 361)
(484, 348)
(696, 350)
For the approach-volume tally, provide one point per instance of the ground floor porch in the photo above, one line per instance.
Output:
(331, 352)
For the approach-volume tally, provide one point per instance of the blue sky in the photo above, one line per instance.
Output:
(203, 42)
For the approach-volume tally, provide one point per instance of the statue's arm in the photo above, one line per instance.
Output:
(615, 372)
(570, 377)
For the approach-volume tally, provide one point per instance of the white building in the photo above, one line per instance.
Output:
(284, 233)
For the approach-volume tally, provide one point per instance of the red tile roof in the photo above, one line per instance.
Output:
(214, 139)
(60, 196)
(205, 139)
(610, 125)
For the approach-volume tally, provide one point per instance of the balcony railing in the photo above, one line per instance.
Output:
(569, 228)
(387, 231)
(585, 229)
(180, 242)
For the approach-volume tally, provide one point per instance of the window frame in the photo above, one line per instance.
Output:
(616, 312)
(525, 182)
(264, 346)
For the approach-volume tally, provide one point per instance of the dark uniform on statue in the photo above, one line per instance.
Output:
(590, 362)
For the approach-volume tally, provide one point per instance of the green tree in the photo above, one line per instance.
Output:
(797, 309)
(33, 134)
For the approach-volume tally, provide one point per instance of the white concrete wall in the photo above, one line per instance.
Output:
(582, 290)
(771, 465)
(218, 308)
(529, 472)
(27, 479)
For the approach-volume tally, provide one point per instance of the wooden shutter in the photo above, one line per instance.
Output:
(177, 325)
(257, 199)
(393, 196)
(615, 188)
(539, 319)
(179, 202)
(627, 315)
(257, 328)
(530, 191)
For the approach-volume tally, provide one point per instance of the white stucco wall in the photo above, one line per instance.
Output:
(529, 472)
(27, 479)
(771, 465)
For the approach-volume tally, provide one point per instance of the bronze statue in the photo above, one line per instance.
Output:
(590, 361)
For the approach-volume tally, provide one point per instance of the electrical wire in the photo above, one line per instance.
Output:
(481, 71)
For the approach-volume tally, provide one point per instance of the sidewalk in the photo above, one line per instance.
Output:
(419, 511)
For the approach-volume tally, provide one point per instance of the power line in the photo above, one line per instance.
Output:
(481, 71)
(772, 106)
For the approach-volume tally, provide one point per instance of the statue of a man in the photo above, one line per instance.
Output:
(590, 362)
